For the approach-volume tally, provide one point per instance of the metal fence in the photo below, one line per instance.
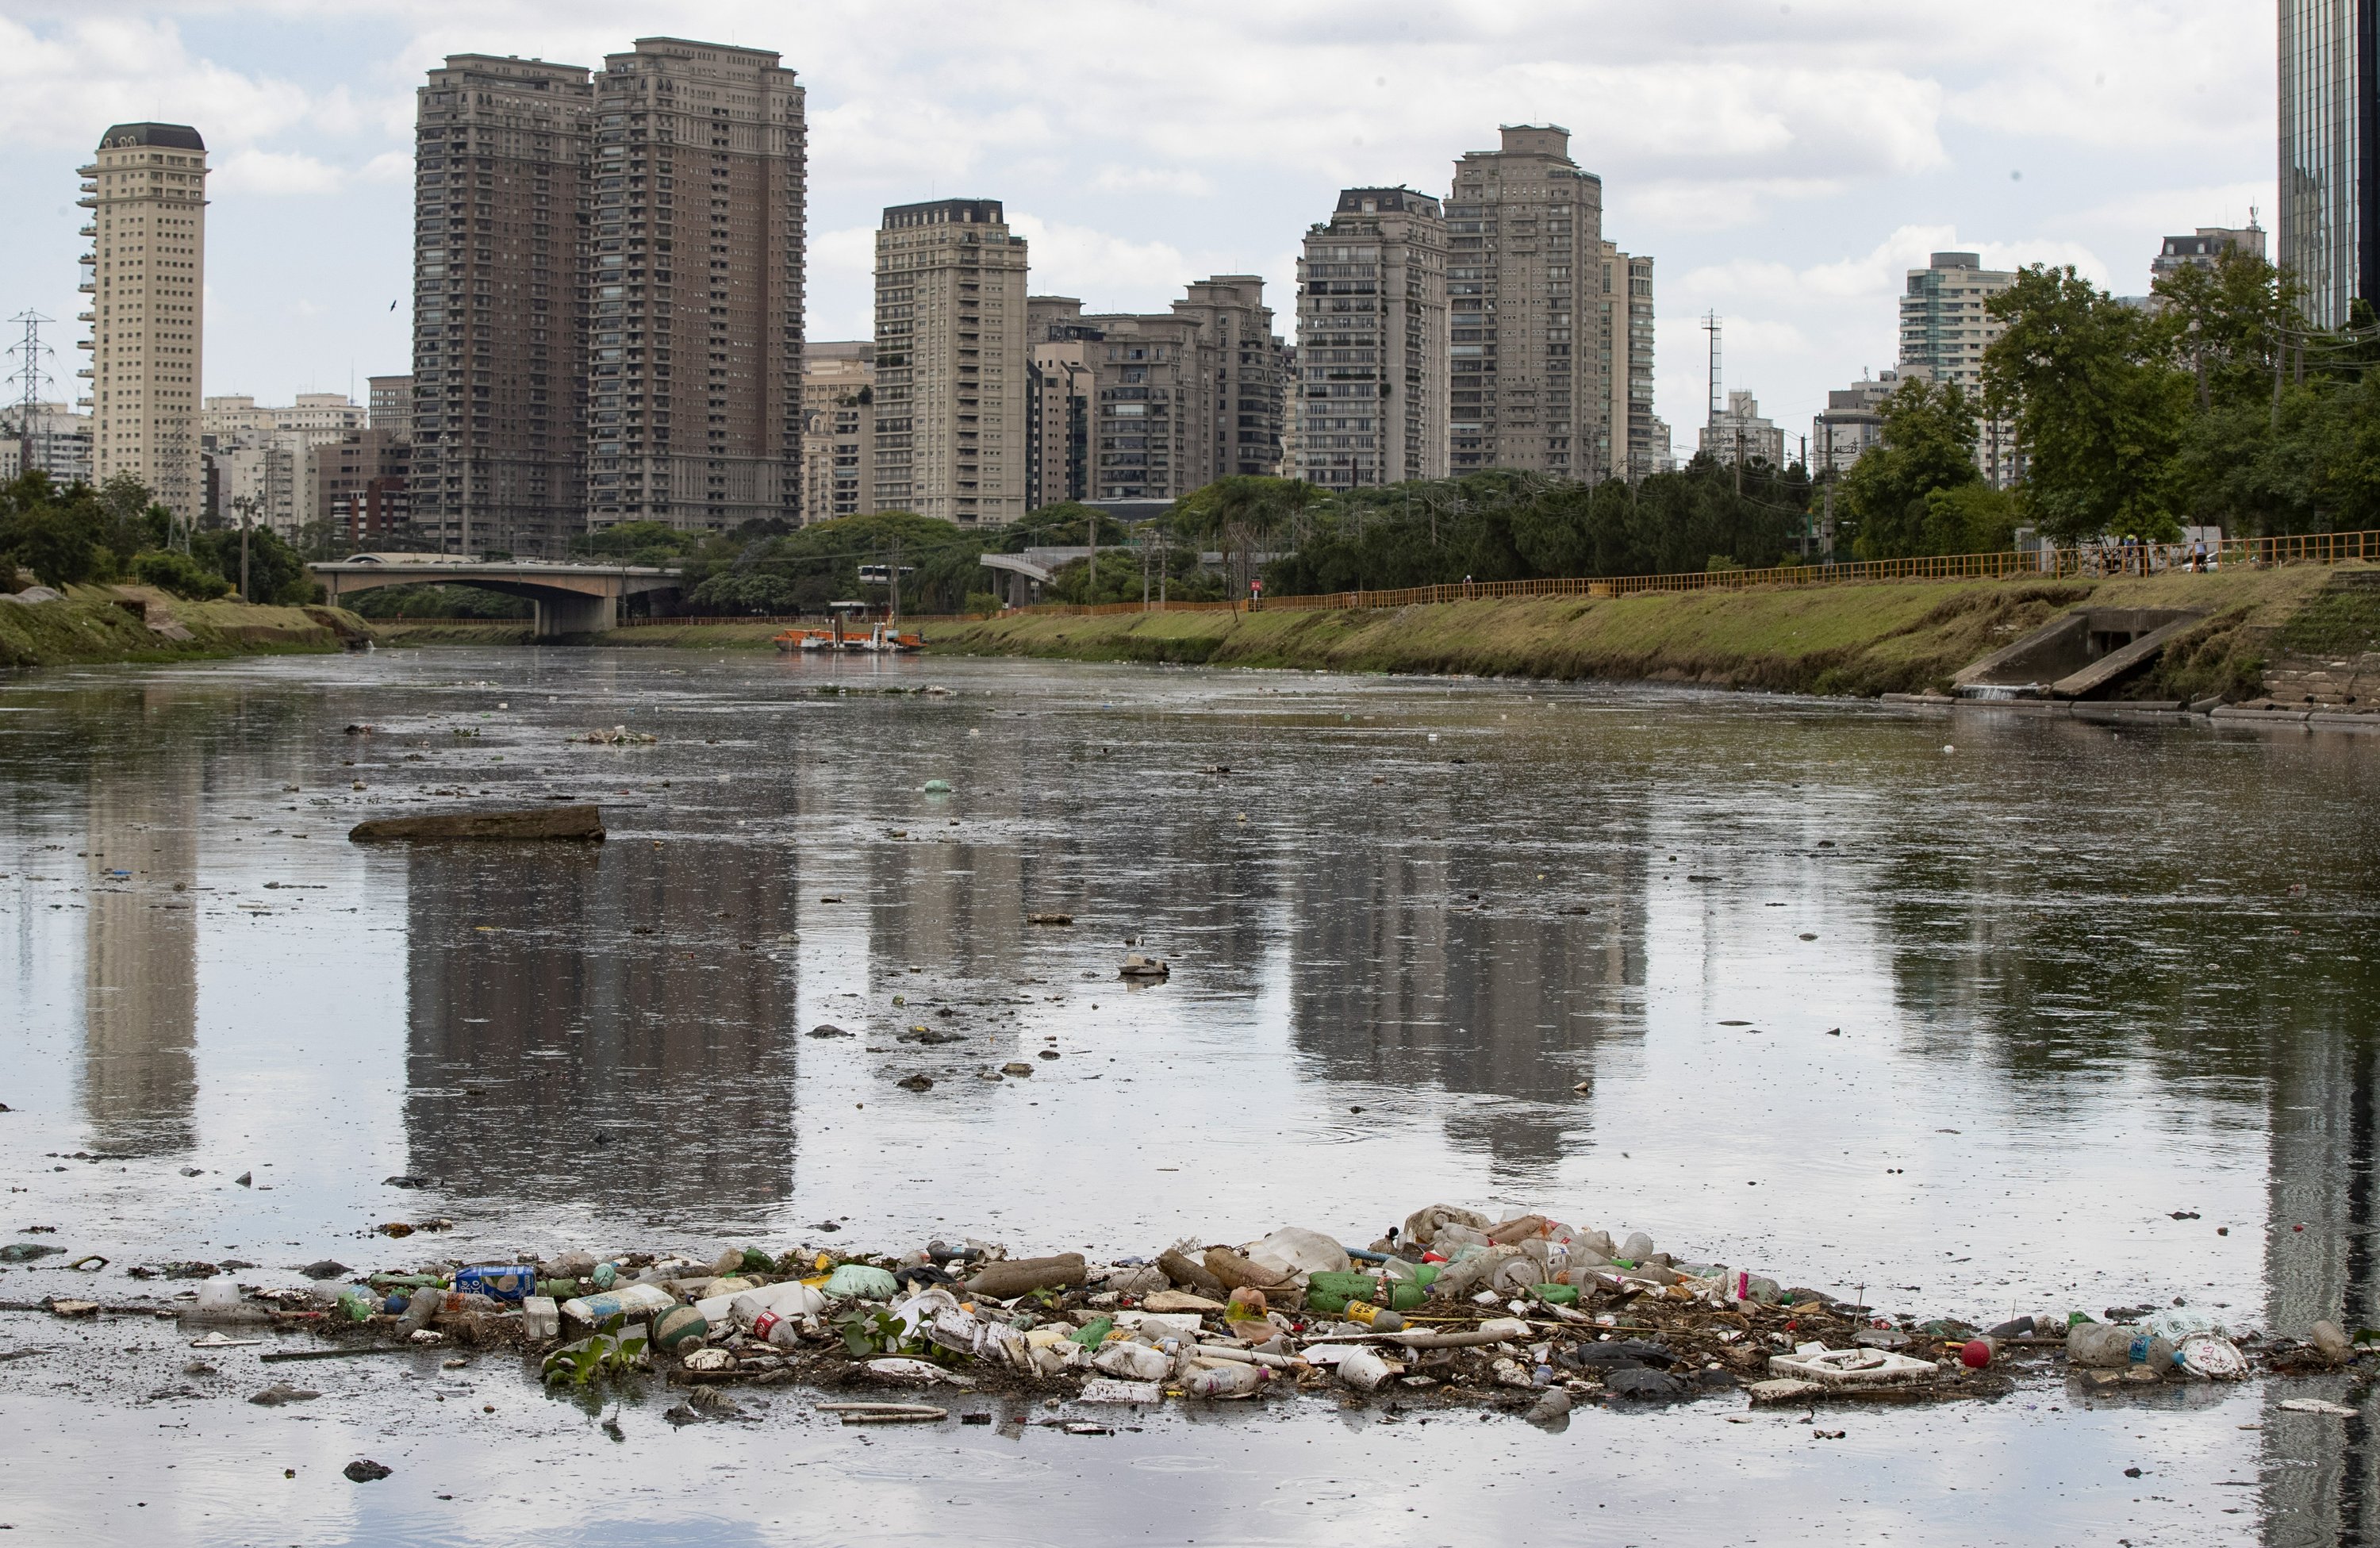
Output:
(2091, 560)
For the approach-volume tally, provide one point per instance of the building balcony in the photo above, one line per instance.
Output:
(87, 231)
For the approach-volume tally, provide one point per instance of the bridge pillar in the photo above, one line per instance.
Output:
(558, 614)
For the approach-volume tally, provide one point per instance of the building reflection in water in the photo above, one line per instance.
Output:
(141, 980)
(605, 1025)
(1430, 961)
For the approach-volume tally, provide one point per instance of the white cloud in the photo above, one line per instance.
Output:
(1784, 165)
(273, 173)
(1110, 274)
(1182, 180)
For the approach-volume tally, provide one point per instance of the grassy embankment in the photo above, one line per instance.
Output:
(94, 624)
(1836, 639)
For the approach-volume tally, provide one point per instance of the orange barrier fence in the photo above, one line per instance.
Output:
(2101, 559)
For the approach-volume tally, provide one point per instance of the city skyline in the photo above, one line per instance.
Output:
(1788, 178)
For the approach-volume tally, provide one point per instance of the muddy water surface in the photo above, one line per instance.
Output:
(1956, 1012)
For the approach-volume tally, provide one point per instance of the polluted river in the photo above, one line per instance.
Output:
(1725, 1029)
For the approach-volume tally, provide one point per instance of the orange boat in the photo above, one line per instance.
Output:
(880, 638)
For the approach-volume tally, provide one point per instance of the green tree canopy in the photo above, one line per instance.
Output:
(1926, 448)
(2098, 405)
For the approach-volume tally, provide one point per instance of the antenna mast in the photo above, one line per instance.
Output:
(1710, 326)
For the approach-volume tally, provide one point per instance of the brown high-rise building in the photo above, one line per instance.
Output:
(699, 177)
(1524, 273)
(500, 306)
(146, 274)
(1247, 375)
(1186, 397)
(1059, 393)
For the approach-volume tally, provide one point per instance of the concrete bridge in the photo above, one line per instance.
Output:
(570, 598)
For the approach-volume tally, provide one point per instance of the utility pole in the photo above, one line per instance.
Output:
(29, 377)
(245, 505)
(893, 613)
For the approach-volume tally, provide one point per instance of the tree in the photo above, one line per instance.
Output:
(1245, 514)
(2226, 322)
(1926, 448)
(2098, 406)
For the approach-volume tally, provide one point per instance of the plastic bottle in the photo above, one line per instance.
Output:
(629, 1300)
(356, 1304)
(1093, 1334)
(605, 1275)
(1334, 1292)
(1379, 1319)
(510, 1283)
(2114, 1345)
(1133, 1361)
(1223, 1381)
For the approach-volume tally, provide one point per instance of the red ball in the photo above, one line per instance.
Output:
(1975, 1355)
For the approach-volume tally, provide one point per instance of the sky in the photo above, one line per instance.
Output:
(1784, 164)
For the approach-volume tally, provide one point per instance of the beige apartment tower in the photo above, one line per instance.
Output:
(1636, 443)
(697, 187)
(146, 276)
(952, 415)
(1945, 329)
(1524, 239)
(1371, 388)
(838, 429)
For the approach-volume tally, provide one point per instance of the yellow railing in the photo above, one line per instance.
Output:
(2093, 560)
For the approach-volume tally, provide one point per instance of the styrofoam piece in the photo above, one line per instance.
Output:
(1853, 1368)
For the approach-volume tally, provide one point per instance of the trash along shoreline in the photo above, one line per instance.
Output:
(1450, 1310)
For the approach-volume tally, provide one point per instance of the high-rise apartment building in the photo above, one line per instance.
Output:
(1524, 249)
(1944, 331)
(500, 306)
(146, 276)
(838, 430)
(1183, 397)
(1245, 375)
(951, 419)
(1060, 392)
(1637, 443)
(697, 184)
(1150, 409)
(1371, 385)
(2330, 154)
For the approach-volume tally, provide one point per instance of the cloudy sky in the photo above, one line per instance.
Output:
(1784, 164)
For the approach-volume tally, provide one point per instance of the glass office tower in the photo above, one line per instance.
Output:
(2329, 143)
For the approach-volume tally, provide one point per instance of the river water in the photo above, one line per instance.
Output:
(1957, 1013)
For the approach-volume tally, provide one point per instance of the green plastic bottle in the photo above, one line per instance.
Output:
(1093, 1334)
(1329, 1292)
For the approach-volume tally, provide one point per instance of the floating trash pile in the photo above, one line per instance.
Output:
(1450, 1309)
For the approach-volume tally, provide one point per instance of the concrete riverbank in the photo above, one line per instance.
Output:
(99, 624)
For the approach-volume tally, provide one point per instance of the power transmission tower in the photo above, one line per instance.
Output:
(27, 377)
